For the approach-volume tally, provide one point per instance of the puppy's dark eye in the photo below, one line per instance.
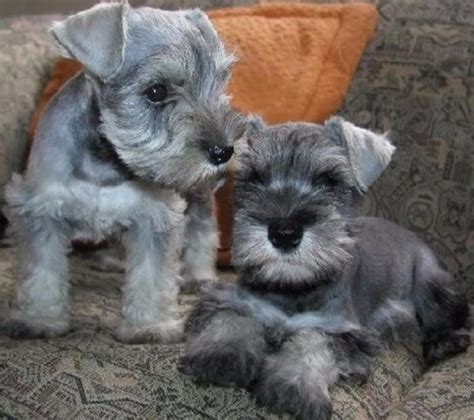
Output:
(328, 179)
(255, 177)
(156, 93)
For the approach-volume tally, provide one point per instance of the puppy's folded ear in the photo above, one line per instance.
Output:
(95, 37)
(202, 21)
(255, 123)
(245, 146)
(369, 153)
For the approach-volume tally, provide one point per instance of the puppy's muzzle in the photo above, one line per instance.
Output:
(220, 154)
(285, 235)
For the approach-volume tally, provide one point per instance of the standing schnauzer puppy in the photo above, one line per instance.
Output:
(147, 123)
(319, 288)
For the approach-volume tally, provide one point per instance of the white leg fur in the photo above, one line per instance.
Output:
(45, 218)
(200, 244)
(42, 287)
(297, 378)
(150, 291)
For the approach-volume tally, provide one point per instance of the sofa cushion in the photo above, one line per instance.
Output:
(26, 58)
(89, 374)
(445, 391)
(296, 60)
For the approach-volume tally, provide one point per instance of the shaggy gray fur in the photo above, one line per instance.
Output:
(147, 123)
(320, 290)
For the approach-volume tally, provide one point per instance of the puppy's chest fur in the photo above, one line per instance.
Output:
(115, 207)
(296, 302)
(97, 212)
(323, 308)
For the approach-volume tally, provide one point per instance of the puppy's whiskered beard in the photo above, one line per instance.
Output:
(173, 149)
(323, 252)
(173, 157)
(278, 181)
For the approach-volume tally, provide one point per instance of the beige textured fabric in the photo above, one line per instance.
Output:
(26, 57)
(445, 391)
(89, 374)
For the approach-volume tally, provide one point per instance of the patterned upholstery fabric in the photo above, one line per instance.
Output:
(445, 391)
(417, 80)
(89, 374)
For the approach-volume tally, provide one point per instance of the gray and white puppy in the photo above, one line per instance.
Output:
(320, 290)
(147, 123)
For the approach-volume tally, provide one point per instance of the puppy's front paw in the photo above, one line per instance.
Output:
(195, 286)
(445, 344)
(226, 365)
(22, 329)
(159, 332)
(293, 398)
(194, 281)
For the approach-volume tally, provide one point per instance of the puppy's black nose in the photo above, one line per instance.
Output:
(220, 154)
(284, 234)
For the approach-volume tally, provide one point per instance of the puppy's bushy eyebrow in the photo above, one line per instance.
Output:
(332, 173)
(162, 64)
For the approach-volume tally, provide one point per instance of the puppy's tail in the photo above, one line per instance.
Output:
(442, 311)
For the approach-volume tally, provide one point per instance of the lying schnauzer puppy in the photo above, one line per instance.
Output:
(319, 289)
(146, 123)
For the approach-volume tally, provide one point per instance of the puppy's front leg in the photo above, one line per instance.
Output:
(42, 287)
(225, 348)
(150, 291)
(200, 242)
(297, 378)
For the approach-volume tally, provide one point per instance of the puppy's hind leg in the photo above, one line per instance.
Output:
(149, 309)
(441, 309)
(200, 243)
(42, 284)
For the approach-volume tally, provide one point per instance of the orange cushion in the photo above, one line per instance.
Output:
(296, 60)
(296, 63)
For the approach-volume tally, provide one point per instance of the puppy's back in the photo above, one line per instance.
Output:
(395, 272)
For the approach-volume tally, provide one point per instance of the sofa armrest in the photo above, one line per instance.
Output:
(445, 391)
(26, 57)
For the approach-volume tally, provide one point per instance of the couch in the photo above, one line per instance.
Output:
(415, 80)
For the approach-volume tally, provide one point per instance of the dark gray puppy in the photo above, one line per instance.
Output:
(320, 290)
(147, 123)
